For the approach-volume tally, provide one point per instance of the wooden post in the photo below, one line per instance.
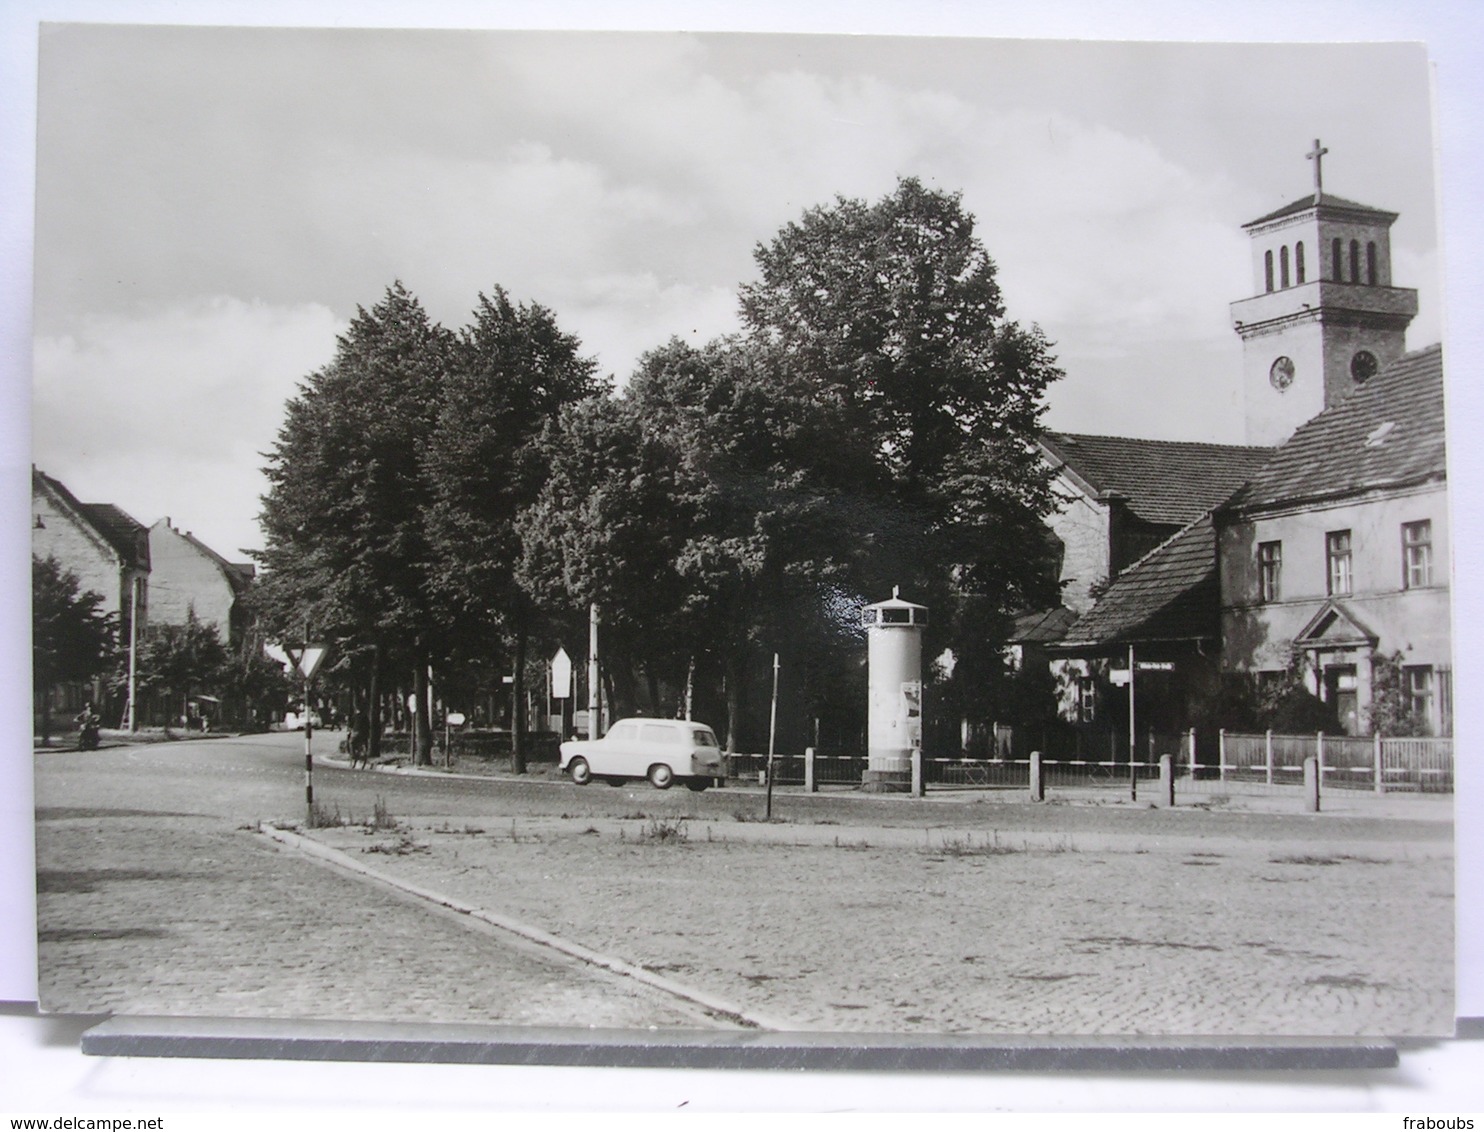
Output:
(1268, 739)
(1221, 754)
(810, 785)
(1038, 784)
(1192, 754)
(1311, 784)
(1379, 765)
(918, 786)
(1133, 778)
(1166, 780)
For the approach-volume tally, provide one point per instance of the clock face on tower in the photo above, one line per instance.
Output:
(1281, 374)
(1363, 366)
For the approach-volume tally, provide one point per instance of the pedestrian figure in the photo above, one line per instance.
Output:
(87, 729)
(360, 733)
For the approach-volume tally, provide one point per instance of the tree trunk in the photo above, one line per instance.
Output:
(518, 708)
(612, 700)
(736, 673)
(653, 683)
(422, 726)
(373, 707)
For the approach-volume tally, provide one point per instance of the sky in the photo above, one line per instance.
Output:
(214, 203)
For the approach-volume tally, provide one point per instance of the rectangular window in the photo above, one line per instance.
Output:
(1418, 684)
(1087, 699)
(1269, 570)
(1337, 555)
(1417, 554)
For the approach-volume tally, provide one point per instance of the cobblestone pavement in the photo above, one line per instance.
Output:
(856, 914)
(186, 913)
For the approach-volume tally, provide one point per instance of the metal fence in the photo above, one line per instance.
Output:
(1235, 763)
(1373, 762)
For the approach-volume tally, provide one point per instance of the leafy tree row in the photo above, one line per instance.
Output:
(451, 499)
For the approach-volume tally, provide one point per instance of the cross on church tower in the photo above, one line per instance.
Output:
(1316, 155)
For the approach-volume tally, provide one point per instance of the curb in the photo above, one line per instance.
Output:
(704, 999)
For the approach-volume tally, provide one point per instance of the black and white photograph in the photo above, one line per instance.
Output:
(714, 532)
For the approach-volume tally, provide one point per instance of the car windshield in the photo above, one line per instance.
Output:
(703, 738)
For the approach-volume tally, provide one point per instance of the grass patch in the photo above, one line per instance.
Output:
(400, 848)
(1321, 861)
(989, 845)
(322, 818)
(666, 831)
(381, 818)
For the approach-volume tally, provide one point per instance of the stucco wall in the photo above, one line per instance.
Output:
(182, 578)
(1082, 526)
(1415, 622)
(81, 551)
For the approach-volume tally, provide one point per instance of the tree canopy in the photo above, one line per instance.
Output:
(72, 639)
(445, 498)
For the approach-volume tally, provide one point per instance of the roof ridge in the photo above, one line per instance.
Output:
(1054, 433)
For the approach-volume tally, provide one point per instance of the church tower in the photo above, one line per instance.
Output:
(1325, 316)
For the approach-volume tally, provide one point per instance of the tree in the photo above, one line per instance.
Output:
(72, 639)
(177, 661)
(513, 370)
(345, 519)
(894, 313)
(1393, 710)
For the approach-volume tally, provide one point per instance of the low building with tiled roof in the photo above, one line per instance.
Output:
(1337, 552)
(1163, 615)
(1122, 496)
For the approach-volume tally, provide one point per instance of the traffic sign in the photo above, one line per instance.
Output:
(1155, 666)
(561, 675)
(306, 658)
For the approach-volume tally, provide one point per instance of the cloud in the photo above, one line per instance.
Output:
(167, 412)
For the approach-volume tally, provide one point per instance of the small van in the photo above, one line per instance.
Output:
(662, 750)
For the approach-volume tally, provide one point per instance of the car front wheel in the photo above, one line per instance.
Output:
(661, 776)
(581, 773)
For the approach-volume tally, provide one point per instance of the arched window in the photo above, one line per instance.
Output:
(1298, 262)
(1283, 265)
(1370, 263)
(1267, 268)
(1339, 261)
(1355, 261)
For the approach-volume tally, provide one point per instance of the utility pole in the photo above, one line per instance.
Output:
(772, 731)
(133, 720)
(592, 671)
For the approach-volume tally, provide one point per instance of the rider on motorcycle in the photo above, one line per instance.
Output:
(87, 729)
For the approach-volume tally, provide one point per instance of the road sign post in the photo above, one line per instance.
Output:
(306, 660)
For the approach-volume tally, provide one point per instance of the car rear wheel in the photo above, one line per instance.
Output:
(661, 776)
(581, 773)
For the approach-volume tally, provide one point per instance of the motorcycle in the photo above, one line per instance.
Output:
(87, 735)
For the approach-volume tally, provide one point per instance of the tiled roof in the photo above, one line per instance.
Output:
(1388, 433)
(1164, 481)
(1171, 594)
(121, 529)
(125, 534)
(1326, 200)
(1041, 626)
